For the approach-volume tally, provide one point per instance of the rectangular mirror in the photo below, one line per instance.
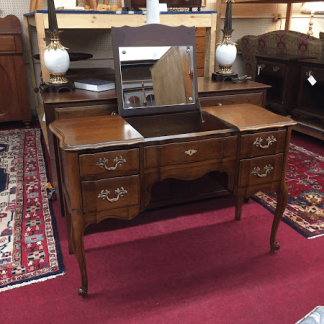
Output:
(156, 70)
(156, 76)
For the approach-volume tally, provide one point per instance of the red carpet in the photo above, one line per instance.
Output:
(186, 264)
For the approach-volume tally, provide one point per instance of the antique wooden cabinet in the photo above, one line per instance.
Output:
(309, 112)
(110, 164)
(14, 103)
(282, 72)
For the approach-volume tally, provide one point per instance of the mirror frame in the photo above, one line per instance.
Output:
(153, 35)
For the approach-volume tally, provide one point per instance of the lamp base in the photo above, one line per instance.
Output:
(223, 77)
(56, 88)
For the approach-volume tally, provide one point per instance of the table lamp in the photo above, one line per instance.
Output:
(56, 58)
(226, 49)
(312, 8)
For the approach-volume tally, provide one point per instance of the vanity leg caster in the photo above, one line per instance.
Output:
(83, 291)
(275, 246)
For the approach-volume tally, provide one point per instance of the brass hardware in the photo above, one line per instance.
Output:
(118, 160)
(271, 139)
(219, 104)
(276, 68)
(113, 113)
(191, 152)
(309, 73)
(267, 169)
(120, 193)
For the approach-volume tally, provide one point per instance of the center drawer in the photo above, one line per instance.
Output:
(110, 193)
(110, 164)
(186, 152)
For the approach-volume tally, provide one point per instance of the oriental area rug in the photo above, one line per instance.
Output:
(305, 181)
(29, 246)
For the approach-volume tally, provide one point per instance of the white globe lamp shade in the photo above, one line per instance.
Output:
(57, 61)
(226, 55)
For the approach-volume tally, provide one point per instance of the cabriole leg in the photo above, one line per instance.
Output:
(77, 233)
(238, 206)
(282, 199)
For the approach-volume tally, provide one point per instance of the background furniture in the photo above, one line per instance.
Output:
(277, 42)
(81, 103)
(14, 102)
(282, 72)
(105, 20)
(309, 112)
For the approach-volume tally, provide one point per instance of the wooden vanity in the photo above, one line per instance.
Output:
(109, 164)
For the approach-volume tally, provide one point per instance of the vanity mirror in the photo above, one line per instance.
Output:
(156, 76)
(155, 69)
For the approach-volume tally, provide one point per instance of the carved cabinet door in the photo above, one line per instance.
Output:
(9, 103)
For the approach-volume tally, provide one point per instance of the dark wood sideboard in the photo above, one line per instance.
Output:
(14, 101)
(309, 112)
(282, 72)
(81, 103)
(109, 164)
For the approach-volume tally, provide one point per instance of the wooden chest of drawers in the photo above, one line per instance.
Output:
(14, 101)
(110, 173)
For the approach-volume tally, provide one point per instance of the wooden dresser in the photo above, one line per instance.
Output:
(109, 164)
(14, 101)
(82, 103)
(282, 72)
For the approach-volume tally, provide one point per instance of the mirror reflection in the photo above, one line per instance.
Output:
(157, 76)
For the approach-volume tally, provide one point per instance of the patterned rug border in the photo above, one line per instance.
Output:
(287, 220)
(62, 271)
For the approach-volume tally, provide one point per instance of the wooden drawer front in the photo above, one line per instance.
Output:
(264, 143)
(7, 44)
(85, 111)
(261, 170)
(251, 98)
(110, 164)
(271, 68)
(110, 193)
(187, 152)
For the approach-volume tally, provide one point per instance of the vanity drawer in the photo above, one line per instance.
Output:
(85, 111)
(186, 152)
(110, 193)
(251, 98)
(261, 170)
(263, 143)
(110, 164)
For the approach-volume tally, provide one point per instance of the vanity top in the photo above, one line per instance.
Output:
(101, 131)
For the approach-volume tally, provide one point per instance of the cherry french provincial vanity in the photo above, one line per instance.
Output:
(109, 164)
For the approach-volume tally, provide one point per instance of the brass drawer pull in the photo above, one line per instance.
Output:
(191, 152)
(118, 160)
(267, 169)
(276, 68)
(271, 139)
(120, 193)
